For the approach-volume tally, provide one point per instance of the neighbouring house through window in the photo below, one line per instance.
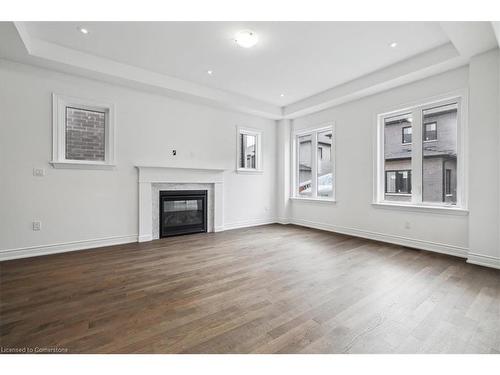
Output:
(416, 170)
(314, 172)
(85, 134)
(249, 150)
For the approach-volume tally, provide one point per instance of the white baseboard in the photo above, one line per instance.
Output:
(283, 220)
(32, 251)
(484, 260)
(389, 238)
(248, 223)
(473, 258)
(144, 238)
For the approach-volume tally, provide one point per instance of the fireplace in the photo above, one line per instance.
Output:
(182, 212)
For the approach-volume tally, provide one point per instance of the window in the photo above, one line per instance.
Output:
(314, 164)
(397, 157)
(398, 182)
(430, 131)
(422, 173)
(83, 133)
(447, 182)
(324, 164)
(407, 132)
(249, 150)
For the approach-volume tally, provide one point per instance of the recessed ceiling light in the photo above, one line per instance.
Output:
(246, 38)
(210, 72)
(83, 30)
(282, 95)
(393, 44)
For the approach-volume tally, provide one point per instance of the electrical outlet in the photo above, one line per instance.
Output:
(38, 172)
(37, 225)
(174, 152)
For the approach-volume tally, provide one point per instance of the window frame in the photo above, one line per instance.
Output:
(416, 109)
(59, 105)
(294, 194)
(258, 150)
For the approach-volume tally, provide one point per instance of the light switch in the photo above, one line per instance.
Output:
(38, 172)
(37, 225)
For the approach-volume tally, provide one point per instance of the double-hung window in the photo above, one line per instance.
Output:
(427, 167)
(314, 164)
(249, 150)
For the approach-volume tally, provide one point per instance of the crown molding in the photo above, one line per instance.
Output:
(68, 60)
(467, 39)
(426, 64)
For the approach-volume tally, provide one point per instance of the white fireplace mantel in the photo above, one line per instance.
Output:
(157, 174)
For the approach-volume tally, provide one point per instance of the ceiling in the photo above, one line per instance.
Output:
(316, 65)
(297, 59)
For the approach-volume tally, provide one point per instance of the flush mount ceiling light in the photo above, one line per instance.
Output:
(83, 30)
(246, 38)
(393, 44)
(282, 95)
(210, 72)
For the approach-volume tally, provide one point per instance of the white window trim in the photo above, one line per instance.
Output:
(59, 104)
(416, 108)
(295, 157)
(258, 150)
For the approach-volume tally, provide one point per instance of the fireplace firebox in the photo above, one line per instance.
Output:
(182, 212)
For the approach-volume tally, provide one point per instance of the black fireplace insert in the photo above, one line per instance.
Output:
(183, 212)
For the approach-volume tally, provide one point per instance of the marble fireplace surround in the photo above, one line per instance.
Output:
(152, 179)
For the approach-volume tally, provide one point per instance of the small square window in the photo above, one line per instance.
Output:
(83, 133)
(249, 150)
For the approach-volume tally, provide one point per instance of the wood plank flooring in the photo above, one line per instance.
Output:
(268, 289)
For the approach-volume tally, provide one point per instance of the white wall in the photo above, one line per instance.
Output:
(353, 213)
(78, 205)
(484, 158)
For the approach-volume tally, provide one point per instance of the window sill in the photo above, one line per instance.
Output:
(317, 200)
(75, 164)
(249, 171)
(446, 210)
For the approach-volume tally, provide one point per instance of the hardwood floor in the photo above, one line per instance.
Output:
(268, 289)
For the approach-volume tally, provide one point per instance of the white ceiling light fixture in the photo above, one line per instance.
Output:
(83, 30)
(246, 38)
(210, 72)
(393, 44)
(282, 95)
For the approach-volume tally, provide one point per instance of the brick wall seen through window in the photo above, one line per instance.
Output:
(85, 134)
